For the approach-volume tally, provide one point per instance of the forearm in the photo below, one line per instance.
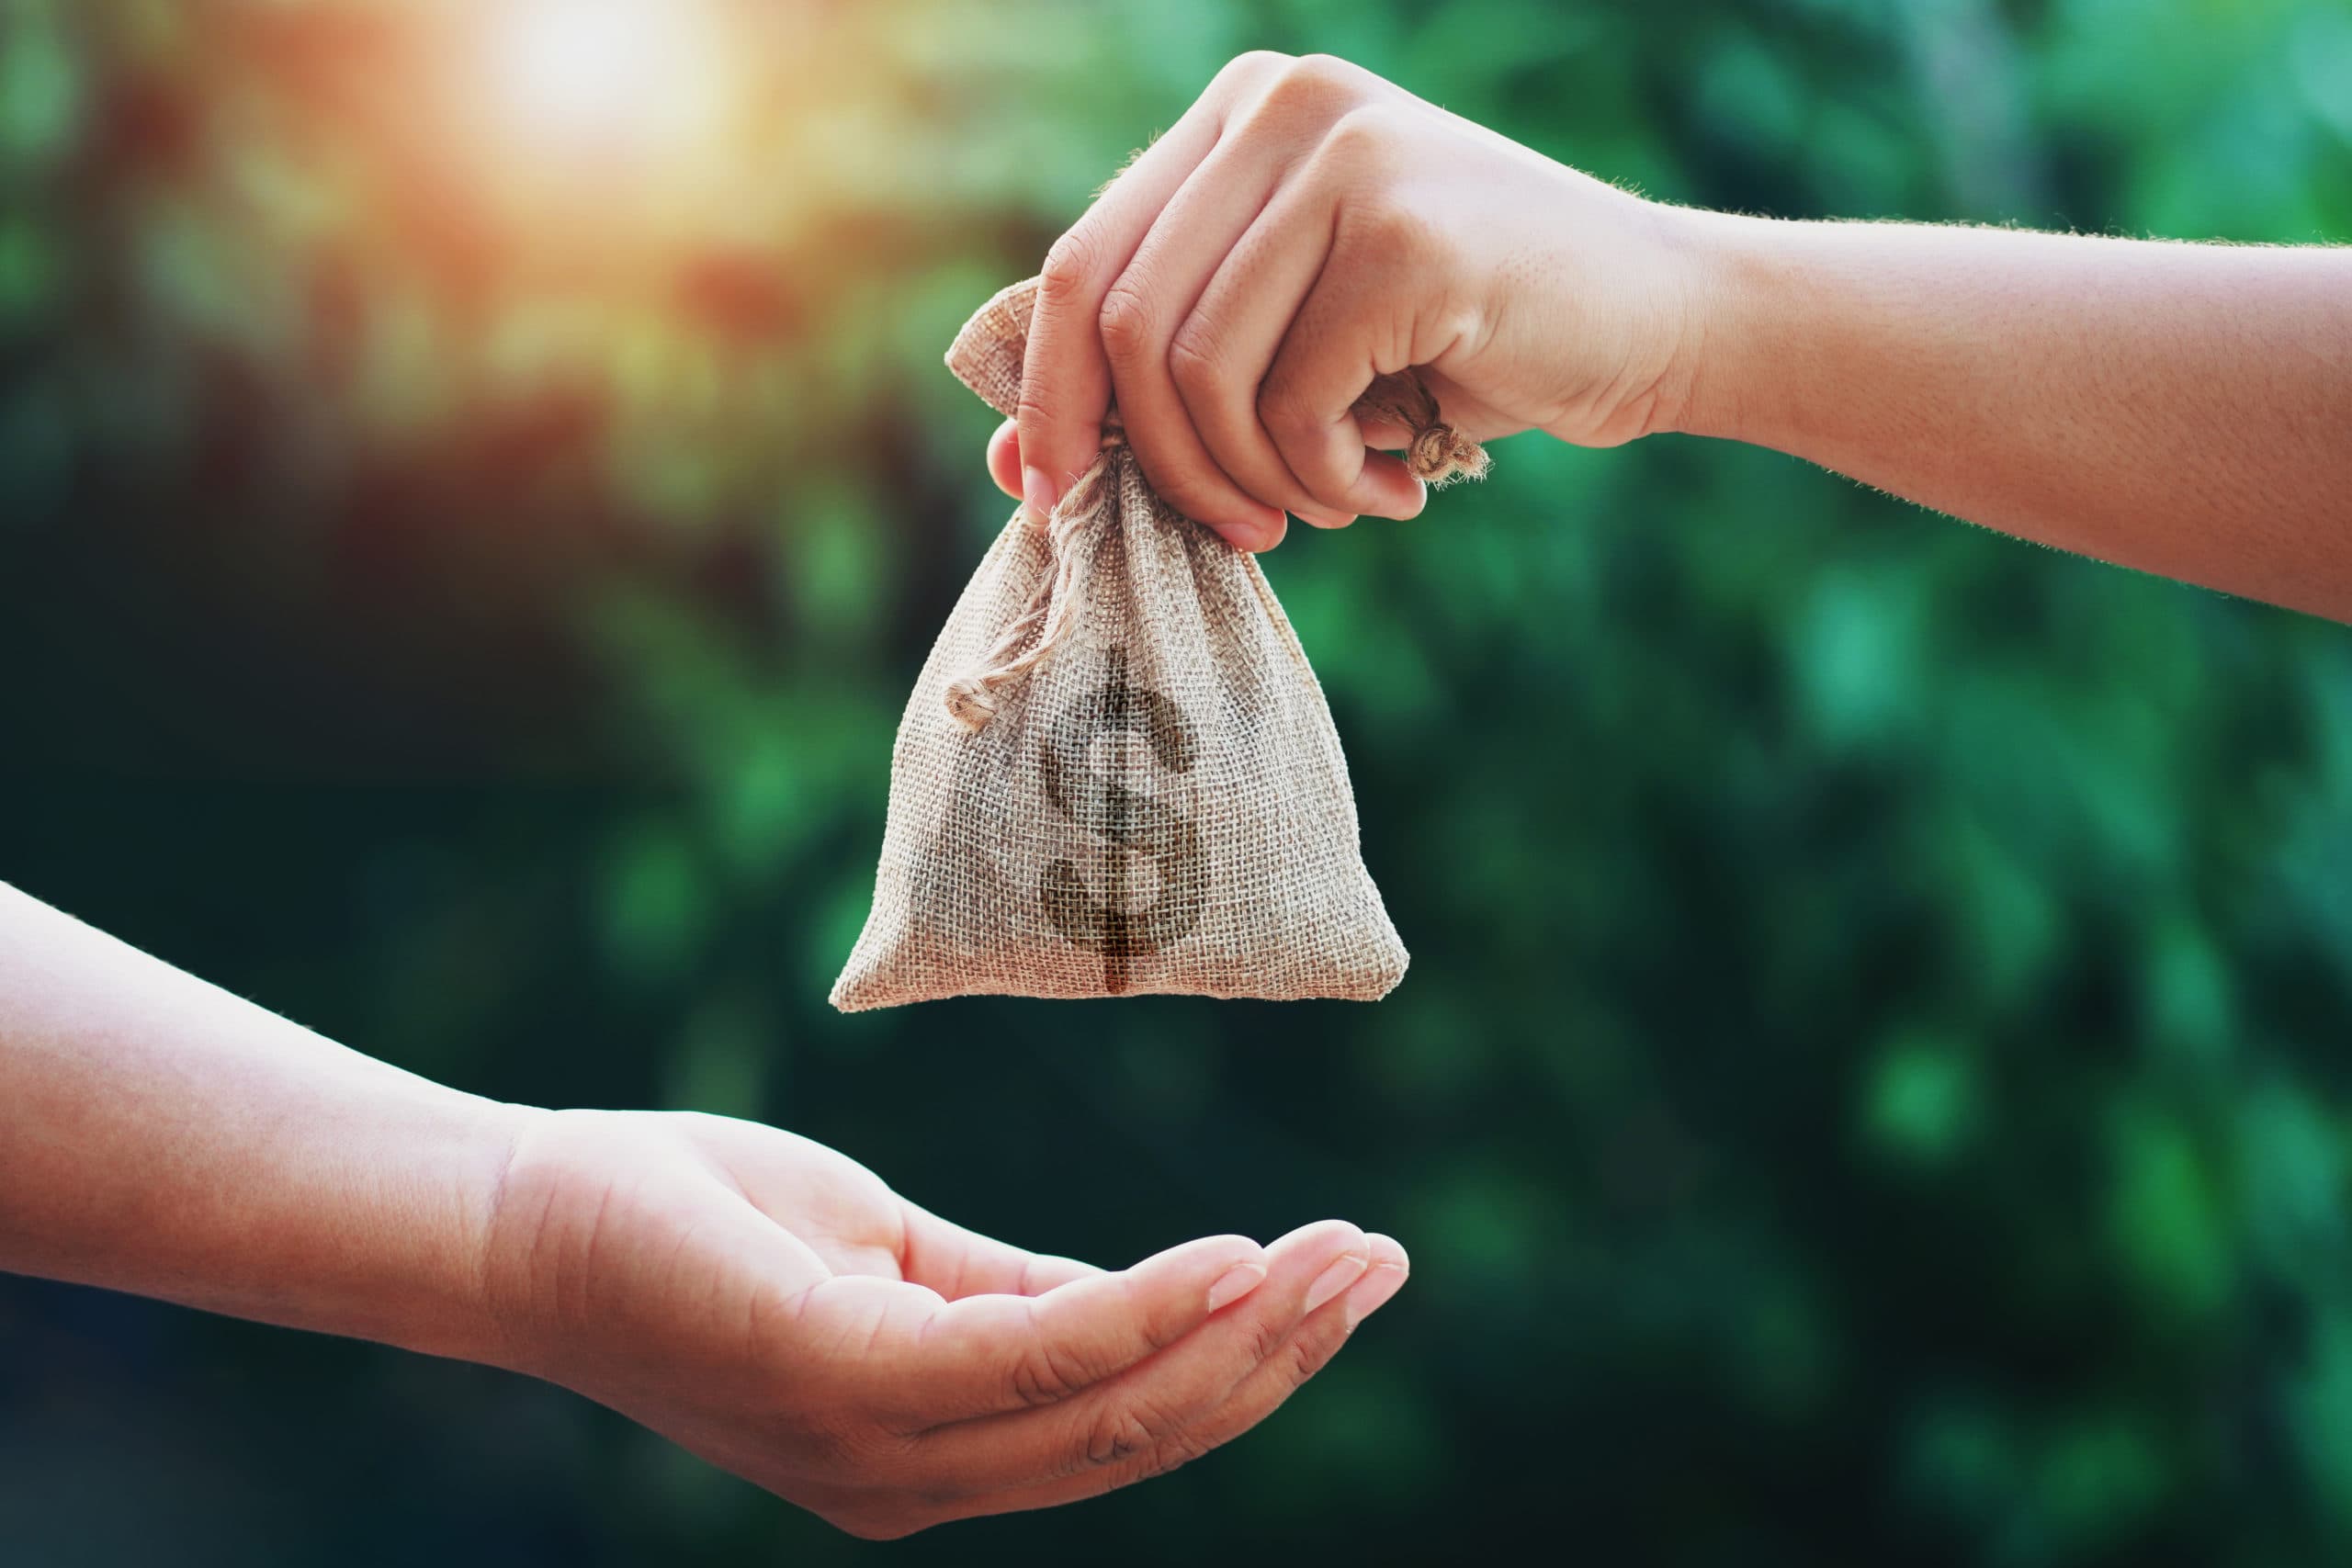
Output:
(161, 1136)
(2186, 409)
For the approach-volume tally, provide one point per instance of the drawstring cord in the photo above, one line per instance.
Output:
(1437, 456)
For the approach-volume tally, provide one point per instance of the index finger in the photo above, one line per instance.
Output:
(1066, 378)
(943, 1257)
(988, 1354)
(1171, 1403)
(1135, 1446)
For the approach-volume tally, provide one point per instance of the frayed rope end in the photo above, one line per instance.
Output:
(1441, 455)
(1437, 454)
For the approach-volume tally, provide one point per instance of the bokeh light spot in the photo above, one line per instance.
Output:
(603, 75)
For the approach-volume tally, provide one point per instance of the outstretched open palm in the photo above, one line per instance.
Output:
(777, 1308)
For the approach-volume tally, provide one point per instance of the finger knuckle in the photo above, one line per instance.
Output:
(1069, 267)
(1116, 1437)
(1334, 70)
(1194, 361)
(1265, 1341)
(1367, 137)
(1047, 403)
(1124, 323)
(1149, 1465)
(1125, 1430)
(1040, 409)
(1175, 1451)
(1315, 84)
(1043, 1375)
(1310, 1353)
(1251, 68)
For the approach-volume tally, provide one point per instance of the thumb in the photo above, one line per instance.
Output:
(1004, 458)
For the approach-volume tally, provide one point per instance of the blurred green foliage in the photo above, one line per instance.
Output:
(1873, 1085)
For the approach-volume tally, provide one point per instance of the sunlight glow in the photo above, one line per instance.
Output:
(605, 75)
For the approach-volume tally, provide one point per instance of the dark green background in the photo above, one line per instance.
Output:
(1874, 1082)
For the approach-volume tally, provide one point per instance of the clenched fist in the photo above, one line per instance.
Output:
(1305, 227)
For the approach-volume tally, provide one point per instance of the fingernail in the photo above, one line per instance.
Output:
(1235, 1283)
(1038, 494)
(1373, 1294)
(1342, 1273)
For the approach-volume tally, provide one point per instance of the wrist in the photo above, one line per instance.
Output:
(466, 1148)
(162, 1136)
(1743, 335)
(1679, 314)
(404, 1185)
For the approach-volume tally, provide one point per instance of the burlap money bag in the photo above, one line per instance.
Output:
(1117, 774)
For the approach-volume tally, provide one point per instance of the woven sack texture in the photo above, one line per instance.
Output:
(1117, 774)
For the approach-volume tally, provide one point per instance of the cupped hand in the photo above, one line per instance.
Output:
(1303, 228)
(772, 1307)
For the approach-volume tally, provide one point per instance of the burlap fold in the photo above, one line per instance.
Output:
(1116, 773)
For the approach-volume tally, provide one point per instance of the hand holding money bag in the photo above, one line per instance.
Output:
(1116, 773)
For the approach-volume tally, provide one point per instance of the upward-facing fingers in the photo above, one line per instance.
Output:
(955, 1262)
(1309, 1348)
(921, 1362)
(1169, 1401)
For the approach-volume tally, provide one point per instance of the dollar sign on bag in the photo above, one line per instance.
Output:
(1138, 827)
